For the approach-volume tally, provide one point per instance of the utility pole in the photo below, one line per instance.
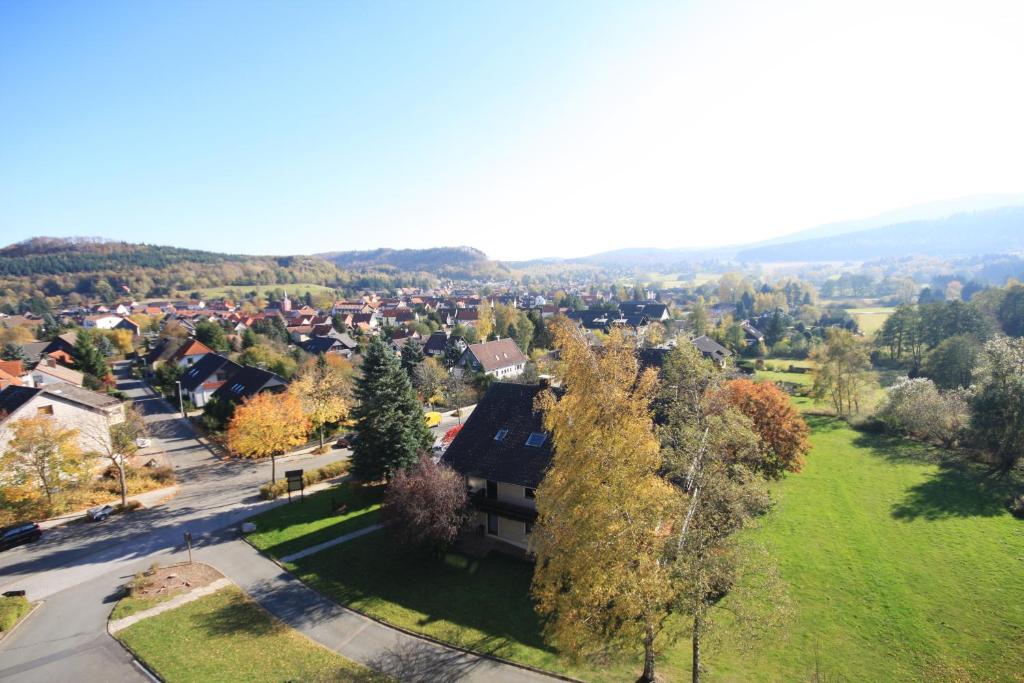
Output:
(181, 401)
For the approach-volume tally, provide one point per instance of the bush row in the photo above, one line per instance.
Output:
(280, 487)
(11, 610)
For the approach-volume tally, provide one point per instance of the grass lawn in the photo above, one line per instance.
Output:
(128, 605)
(228, 637)
(294, 526)
(898, 569)
(871, 318)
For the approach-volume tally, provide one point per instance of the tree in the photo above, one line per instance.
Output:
(604, 515)
(485, 320)
(428, 378)
(426, 506)
(44, 455)
(12, 351)
(782, 432)
(117, 442)
(389, 423)
(212, 334)
(1011, 311)
(323, 389)
(841, 371)
(655, 335)
(951, 363)
(87, 357)
(412, 355)
(267, 425)
(997, 406)
(917, 408)
(456, 390)
(698, 319)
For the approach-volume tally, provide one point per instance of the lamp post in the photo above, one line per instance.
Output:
(181, 402)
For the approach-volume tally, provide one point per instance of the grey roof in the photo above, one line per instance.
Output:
(206, 367)
(13, 397)
(249, 381)
(476, 453)
(33, 350)
(710, 348)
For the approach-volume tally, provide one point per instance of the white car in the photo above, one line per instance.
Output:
(100, 512)
(142, 442)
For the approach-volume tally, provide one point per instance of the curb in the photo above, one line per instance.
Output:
(6, 634)
(421, 636)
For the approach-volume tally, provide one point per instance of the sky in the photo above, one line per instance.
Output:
(525, 129)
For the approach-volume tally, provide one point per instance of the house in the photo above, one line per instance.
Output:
(49, 371)
(436, 345)
(71, 406)
(751, 335)
(62, 346)
(503, 452)
(103, 321)
(249, 381)
(500, 359)
(712, 350)
(206, 376)
(12, 373)
(34, 350)
(182, 352)
(340, 344)
(654, 311)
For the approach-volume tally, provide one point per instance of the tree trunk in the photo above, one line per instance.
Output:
(321, 437)
(648, 675)
(273, 469)
(696, 646)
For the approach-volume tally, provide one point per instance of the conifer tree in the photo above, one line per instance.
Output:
(390, 428)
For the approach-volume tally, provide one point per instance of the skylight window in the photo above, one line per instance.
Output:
(536, 439)
(500, 436)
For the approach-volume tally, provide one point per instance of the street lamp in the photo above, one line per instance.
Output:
(181, 402)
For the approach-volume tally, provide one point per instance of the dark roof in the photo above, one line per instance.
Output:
(474, 452)
(436, 344)
(14, 397)
(207, 366)
(711, 348)
(33, 350)
(316, 345)
(592, 320)
(249, 381)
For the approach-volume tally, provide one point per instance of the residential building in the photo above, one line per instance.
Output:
(71, 406)
(500, 359)
(49, 371)
(249, 381)
(206, 376)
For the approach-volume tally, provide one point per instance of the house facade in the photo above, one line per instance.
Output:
(72, 407)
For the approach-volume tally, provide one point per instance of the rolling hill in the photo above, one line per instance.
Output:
(452, 262)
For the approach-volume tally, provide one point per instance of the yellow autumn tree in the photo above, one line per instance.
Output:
(43, 456)
(324, 387)
(485, 320)
(267, 425)
(605, 517)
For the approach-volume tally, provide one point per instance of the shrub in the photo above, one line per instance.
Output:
(280, 488)
(1016, 505)
(12, 610)
(163, 474)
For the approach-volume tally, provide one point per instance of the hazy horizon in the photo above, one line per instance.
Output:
(527, 131)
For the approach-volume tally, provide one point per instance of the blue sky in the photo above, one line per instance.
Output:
(525, 129)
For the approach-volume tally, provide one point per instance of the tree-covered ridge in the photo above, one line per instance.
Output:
(452, 262)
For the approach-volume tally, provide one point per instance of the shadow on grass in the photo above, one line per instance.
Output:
(895, 448)
(239, 616)
(959, 489)
(454, 598)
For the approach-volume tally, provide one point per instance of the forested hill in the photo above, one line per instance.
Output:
(452, 262)
(92, 268)
(994, 231)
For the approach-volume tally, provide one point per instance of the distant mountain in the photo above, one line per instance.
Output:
(454, 262)
(993, 231)
(650, 257)
(918, 212)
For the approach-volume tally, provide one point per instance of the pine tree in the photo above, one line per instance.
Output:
(390, 428)
(87, 357)
(412, 355)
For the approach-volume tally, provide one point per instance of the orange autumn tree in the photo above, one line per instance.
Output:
(267, 425)
(783, 433)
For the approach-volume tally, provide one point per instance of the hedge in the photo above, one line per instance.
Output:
(280, 487)
(12, 610)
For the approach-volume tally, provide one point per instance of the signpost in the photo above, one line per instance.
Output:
(295, 483)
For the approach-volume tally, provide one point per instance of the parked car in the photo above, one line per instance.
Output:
(343, 442)
(100, 512)
(16, 534)
(142, 442)
(433, 418)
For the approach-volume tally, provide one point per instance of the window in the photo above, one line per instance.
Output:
(492, 489)
(500, 436)
(44, 410)
(536, 439)
(529, 493)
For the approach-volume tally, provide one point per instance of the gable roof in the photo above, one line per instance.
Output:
(317, 345)
(14, 397)
(249, 381)
(710, 348)
(436, 343)
(191, 347)
(62, 373)
(494, 355)
(475, 453)
(206, 367)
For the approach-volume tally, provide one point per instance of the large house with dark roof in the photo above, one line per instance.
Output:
(712, 350)
(504, 453)
(249, 381)
(206, 376)
(500, 359)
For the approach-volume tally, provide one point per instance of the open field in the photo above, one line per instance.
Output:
(870, 319)
(228, 637)
(898, 568)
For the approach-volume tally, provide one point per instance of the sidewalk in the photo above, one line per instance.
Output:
(397, 653)
(147, 499)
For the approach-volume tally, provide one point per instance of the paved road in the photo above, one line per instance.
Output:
(76, 569)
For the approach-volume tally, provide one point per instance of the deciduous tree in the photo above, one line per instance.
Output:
(267, 425)
(428, 378)
(324, 389)
(426, 506)
(605, 517)
(997, 406)
(117, 442)
(44, 455)
(841, 371)
(782, 432)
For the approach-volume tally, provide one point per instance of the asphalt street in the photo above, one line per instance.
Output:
(76, 570)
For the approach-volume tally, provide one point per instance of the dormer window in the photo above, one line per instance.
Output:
(500, 436)
(536, 439)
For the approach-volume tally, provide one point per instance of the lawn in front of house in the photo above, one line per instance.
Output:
(297, 525)
(898, 568)
(227, 637)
